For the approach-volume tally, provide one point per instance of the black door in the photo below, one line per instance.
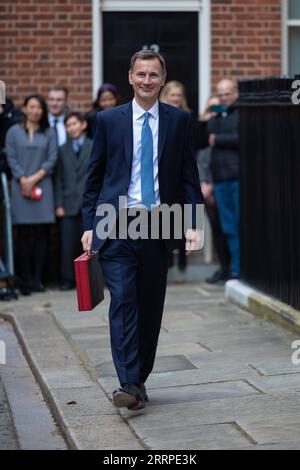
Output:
(175, 35)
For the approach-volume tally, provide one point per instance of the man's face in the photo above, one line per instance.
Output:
(147, 78)
(227, 93)
(57, 102)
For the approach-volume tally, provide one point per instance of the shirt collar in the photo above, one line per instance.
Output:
(79, 141)
(52, 118)
(138, 112)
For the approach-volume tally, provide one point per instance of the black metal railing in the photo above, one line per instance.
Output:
(270, 188)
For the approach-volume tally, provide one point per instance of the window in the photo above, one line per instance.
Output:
(291, 45)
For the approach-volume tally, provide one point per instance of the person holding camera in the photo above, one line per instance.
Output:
(212, 108)
(223, 140)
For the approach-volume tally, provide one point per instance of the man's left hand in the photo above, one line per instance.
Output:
(194, 240)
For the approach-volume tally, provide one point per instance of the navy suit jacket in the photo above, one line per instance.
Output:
(109, 170)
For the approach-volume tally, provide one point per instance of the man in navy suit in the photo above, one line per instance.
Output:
(143, 151)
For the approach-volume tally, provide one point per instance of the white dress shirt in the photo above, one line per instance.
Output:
(138, 115)
(60, 126)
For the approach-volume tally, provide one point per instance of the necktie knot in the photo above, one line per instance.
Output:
(147, 115)
(76, 147)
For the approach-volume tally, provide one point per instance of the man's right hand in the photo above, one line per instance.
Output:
(86, 240)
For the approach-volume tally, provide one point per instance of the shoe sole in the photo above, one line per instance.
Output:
(125, 400)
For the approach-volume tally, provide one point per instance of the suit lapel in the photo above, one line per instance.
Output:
(85, 150)
(127, 130)
(70, 151)
(163, 128)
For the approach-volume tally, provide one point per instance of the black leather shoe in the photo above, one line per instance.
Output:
(217, 277)
(144, 392)
(128, 396)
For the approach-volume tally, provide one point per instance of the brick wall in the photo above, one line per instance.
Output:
(50, 41)
(246, 38)
(45, 42)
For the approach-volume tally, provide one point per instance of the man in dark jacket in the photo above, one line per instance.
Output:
(143, 151)
(223, 139)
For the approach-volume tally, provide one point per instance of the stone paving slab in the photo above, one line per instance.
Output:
(281, 366)
(220, 374)
(62, 375)
(190, 377)
(162, 364)
(34, 425)
(84, 401)
(217, 436)
(202, 392)
(256, 447)
(277, 383)
(273, 429)
(215, 411)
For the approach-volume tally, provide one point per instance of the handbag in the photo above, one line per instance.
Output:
(89, 281)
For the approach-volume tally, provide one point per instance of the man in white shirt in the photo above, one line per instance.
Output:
(142, 150)
(57, 106)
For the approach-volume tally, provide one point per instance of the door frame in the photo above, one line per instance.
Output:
(202, 7)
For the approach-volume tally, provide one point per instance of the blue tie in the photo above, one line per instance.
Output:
(147, 179)
(76, 147)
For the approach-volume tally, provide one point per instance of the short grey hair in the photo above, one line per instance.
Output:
(148, 54)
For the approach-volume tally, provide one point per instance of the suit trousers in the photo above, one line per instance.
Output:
(70, 228)
(135, 272)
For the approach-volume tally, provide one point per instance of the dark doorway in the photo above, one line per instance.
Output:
(175, 34)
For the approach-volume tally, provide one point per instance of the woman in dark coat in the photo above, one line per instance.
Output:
(31, 155)
(107, 97)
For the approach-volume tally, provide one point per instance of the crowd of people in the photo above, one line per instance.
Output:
(46, 147)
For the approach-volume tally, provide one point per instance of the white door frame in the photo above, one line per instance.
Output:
(202, 7)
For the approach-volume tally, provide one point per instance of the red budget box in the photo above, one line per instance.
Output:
(89, 281)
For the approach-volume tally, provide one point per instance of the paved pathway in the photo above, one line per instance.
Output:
(25, 420)
(223, 378)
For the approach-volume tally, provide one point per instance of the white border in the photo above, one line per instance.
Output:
(200, 6)
(286, 23)
(284, 38)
